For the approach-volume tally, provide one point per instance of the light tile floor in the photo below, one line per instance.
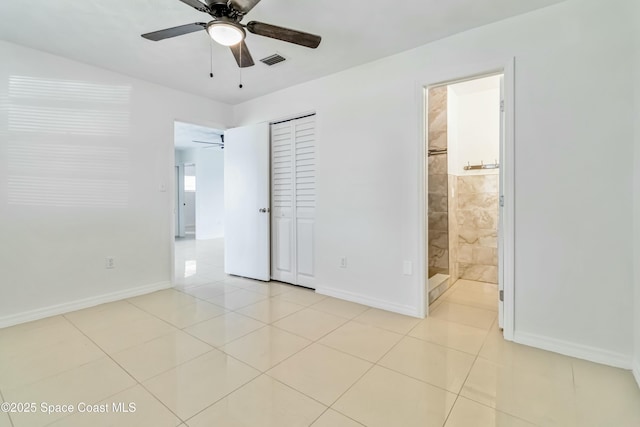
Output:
(224, 351)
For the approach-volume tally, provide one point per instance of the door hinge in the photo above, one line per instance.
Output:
(501, 201)
(502, 106)
(501, 296)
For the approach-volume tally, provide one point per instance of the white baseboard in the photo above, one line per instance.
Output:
(54, 310)
(636, 369)
(580, 351)
(371, 302)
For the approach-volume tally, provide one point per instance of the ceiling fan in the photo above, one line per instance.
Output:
(212, 143)
(226, 29)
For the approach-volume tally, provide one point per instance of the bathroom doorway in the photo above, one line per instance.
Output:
(465, 133)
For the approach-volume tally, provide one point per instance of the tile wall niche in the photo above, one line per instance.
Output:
(438, 204)
(477, 225)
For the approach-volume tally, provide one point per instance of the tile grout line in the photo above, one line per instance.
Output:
(442, 345)
(474, 400)
(476, 356)
(458, 395)
(65, 370)
(302, 336)
(128, 373)
(374, 364)
(226, 395)
(269, 299)
(299, 351)
(472, 305)
(326, 409)
(451, 410)
(228, 342)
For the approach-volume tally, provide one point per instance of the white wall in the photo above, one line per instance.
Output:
(636, 192)
(573, 265)
(84, 153)
(209, 189)
(473, 124)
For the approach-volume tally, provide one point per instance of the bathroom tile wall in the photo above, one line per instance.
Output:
(453, 229)
(477, 223)
(438, 118)
(438, 184)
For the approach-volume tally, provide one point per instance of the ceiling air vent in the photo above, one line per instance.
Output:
(273, 59)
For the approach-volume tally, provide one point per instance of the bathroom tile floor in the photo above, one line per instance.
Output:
(224, 351)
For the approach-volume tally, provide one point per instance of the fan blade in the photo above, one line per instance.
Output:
(197, 5)
(284, 34)
(243, 58)
(175, 31)
(244, 6)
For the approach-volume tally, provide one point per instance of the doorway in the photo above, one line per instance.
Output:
(198, 200)
(270, 188)
(468, 228)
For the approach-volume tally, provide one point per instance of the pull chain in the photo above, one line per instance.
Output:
(240, 85)
(211, 58)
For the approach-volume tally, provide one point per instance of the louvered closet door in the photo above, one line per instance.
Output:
(294, 201)
(304, 131)
(282, 192)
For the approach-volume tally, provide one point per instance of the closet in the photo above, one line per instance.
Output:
(293, 201)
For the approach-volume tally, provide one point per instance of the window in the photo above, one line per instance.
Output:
(189, 183)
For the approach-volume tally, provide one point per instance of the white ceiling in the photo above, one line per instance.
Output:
(107, 34)
(185, 134)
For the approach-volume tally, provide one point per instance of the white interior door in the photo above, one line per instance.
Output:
(501, 211)
(305, 148)
(293, 171)
(181, 229)
(176, 207)
(247, 201)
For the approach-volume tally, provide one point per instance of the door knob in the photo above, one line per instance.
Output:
(264, 210)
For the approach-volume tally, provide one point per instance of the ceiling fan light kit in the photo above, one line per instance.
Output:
(226, 33)
(226, 29)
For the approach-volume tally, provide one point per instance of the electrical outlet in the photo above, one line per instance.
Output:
(109, 263)
(343, 262)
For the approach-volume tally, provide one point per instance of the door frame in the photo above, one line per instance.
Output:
(507, 169)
